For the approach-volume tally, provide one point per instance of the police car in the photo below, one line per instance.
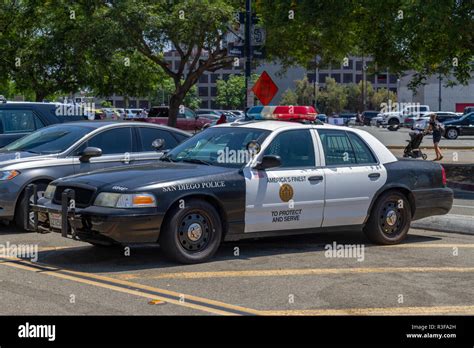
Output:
(265, 176)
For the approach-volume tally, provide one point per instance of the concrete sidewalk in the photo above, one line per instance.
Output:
(447, 223)
(450, 155)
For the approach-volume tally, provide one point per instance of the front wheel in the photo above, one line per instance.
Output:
(191, 234)
(393, 124)
(20, 211)
(389, 219)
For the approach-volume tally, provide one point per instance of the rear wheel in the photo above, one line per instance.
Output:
(389, 219)
(20, 211)
(451, 133)
(191, 234)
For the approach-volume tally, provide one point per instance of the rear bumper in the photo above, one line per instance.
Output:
(431, 202)
(99, 224)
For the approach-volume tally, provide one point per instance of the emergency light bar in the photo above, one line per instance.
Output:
(282, 113)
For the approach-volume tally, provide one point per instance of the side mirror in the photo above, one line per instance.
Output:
(88, 153)
(158, 144)
(269, 161)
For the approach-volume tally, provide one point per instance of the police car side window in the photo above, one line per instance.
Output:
(337, 147)
(362, 152)
(295, 149)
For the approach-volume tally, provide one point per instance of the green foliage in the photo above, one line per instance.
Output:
(231, 93)
(289, 97)
(333, 98)
(381, 96)
(429, 37)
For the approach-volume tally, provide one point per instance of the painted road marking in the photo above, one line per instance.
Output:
(294, 272)
(199, 303)
(437, 310)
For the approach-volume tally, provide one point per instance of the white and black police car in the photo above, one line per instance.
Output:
(265, 176)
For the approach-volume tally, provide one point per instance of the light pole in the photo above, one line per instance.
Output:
(439, 92)
(248, 49)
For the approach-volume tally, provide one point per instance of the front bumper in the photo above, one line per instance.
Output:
(431, 202)
(96, 224)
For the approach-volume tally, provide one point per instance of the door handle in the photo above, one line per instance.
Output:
(315, 178)
(374, 175)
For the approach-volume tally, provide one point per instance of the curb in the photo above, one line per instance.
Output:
(461, 186)
(401, 147)
(450, 223)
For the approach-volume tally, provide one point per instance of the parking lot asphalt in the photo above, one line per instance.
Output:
(429, 273)
(400, 137)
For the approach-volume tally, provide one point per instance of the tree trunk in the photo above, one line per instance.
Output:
(40, 96)
(175, 103)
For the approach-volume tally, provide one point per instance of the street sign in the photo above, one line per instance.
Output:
(265, 89)
(258, 36)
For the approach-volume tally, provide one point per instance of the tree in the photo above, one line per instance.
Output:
(289, 97)
(381, 96)
(47, 51)
(231, 93)
(166, 89)
(332, 98)
(427, 37)
(129, 74)
(305, 91)
(195, 28)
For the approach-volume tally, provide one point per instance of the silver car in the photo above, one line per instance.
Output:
(71, 148)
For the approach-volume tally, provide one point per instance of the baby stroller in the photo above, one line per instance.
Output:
(413, 148)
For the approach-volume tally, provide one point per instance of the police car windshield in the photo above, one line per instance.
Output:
(220, 146)
(54, 139)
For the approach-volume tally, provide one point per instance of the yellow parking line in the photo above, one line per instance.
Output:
(185, 300)
(436, 310)
(294, 272)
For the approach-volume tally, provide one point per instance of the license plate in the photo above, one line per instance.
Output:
(55, 220)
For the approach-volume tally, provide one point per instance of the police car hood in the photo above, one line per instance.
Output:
(137, 177)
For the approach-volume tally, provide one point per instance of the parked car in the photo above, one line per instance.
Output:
(18, 119)
(459, 127)
(207, 112)
(441, 116)
(134, 113)
(367, 116)
(193, 199)
(468, 110)
(238, 113)
(393, 120)
(322, 118)
(187, 120)
(347, 117)
(72, 148)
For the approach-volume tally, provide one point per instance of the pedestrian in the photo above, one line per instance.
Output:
(222, 119)
(436, 128)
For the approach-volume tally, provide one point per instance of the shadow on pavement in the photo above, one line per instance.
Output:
(142, 257)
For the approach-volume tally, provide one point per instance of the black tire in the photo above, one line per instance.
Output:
(380, 228)
(177, 238)
(393, 124)
(451, 133)
(20, 207)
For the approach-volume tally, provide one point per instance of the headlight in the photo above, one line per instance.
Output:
(49, 193)
(8, 174)
(127, 200)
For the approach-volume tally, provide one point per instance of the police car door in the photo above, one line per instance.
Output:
(352, 174)
(291, 196)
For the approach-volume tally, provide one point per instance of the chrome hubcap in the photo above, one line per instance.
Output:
(194, 232)
(391, 218)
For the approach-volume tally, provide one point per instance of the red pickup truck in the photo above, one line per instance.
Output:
(188, 120)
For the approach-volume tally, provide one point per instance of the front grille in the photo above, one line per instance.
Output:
(83, 196)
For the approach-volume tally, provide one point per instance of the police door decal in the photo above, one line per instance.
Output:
(283, 199)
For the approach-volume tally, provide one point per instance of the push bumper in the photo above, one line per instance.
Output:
(431, 202)
(94, 224)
